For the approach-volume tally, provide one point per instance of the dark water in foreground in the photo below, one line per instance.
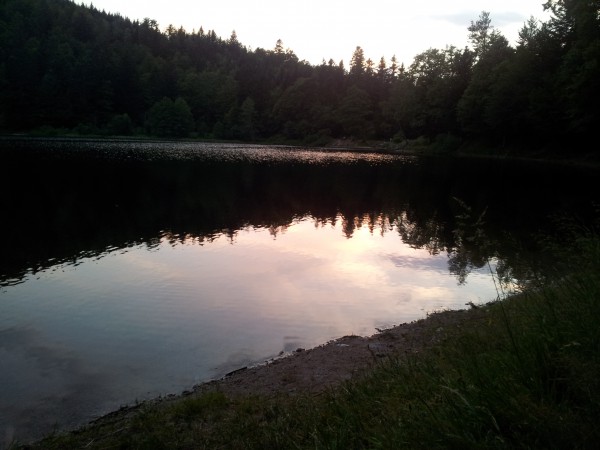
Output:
(134, 269)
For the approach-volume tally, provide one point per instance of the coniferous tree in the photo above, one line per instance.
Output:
(357, 62)
(480, 33)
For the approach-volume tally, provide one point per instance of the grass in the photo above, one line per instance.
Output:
(522, 373)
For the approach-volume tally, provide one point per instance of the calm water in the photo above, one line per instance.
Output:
(131, 270)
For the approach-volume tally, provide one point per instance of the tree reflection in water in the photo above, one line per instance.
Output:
(72, 198)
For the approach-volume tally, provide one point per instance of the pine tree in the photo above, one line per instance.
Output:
(357, 62)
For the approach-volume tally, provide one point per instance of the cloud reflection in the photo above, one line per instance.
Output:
(61, 388)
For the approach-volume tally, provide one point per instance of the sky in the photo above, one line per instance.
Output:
(317, 30)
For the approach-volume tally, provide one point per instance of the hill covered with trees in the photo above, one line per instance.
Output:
(72, 67)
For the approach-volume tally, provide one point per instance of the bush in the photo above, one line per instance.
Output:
(120, 125)
(168, 118)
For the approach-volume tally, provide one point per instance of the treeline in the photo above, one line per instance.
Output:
(72, 67)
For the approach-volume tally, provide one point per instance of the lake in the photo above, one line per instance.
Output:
(134, 269)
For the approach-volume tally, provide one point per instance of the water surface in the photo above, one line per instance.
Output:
(136, 269)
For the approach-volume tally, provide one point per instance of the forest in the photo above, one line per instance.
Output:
(69, 68)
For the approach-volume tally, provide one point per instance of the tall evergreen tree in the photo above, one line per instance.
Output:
(480, 33)
(357, 62)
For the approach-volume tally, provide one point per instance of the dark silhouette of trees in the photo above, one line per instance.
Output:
(168, 118)
(575, 26)
(353, 113)
(481, 33)
(357, 62)
(70, 67)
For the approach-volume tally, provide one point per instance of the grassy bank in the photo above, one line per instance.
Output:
(518, 373)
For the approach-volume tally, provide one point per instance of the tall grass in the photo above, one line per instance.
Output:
(519, 373)
(525, 375)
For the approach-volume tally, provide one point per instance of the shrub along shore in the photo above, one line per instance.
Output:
(523, 375)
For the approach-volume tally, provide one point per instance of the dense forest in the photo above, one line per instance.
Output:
(66, 67)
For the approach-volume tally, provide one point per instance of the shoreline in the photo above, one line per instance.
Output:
(305, 371)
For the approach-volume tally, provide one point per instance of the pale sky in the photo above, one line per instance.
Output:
(324, 29)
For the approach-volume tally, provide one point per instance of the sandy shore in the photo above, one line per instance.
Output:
(314, 370)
